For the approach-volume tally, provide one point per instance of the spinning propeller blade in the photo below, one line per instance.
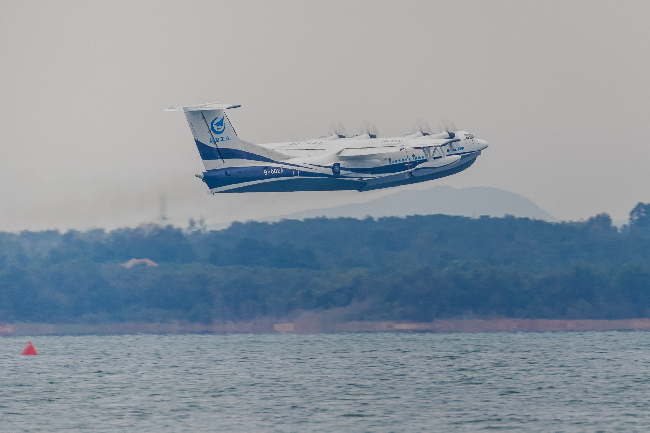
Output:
(337, 128)
(448, 126)
(369, 128)
(422, 127)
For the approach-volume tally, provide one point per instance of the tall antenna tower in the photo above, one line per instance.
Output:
(162, 216)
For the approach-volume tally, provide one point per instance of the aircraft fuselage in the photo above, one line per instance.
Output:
(347, 164)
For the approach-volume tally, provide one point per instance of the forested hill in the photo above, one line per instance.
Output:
(414, 268)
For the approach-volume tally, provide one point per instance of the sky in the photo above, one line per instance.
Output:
(560, 90)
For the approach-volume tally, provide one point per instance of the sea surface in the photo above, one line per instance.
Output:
(381, 382)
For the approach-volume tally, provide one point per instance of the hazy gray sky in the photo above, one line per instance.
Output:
(561, 90)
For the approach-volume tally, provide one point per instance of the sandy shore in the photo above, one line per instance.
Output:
(307, 326)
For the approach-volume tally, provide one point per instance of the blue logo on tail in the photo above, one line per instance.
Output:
(217, 125)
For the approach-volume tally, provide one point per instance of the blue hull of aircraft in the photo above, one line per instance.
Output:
(289, 181)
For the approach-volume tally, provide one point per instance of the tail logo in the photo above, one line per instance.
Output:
(217, 125)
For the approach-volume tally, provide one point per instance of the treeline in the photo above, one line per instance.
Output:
(415, 268)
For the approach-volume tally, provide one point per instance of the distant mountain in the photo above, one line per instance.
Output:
(470, 202)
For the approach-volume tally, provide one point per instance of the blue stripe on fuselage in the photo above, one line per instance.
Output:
(301, 184)
(233, 175)
(396, 168)
(212, 153)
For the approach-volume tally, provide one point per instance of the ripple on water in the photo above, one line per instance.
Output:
(321, 383)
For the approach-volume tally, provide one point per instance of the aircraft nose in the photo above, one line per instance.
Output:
(482, 144)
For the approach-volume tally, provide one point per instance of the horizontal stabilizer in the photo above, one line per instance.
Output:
(203, 107)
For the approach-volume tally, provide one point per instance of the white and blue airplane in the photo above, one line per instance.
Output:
(335, 162)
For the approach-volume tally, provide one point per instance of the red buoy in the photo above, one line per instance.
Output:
(29, 349)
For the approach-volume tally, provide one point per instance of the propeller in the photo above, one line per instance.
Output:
(422, 127)
(369, 128)
(448, 126)
(337, 128)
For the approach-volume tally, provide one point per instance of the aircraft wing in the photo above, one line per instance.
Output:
(358, 152)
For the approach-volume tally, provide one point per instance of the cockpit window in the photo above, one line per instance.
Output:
(469, 136)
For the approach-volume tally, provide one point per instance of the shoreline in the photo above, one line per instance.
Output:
(315, 326)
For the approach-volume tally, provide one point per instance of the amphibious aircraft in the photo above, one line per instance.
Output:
(334, 162)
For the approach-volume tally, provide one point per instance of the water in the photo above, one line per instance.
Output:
(543, 382)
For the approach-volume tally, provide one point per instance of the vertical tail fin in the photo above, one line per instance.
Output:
(217, 140)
